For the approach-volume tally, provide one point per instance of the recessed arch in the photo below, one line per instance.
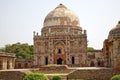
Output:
(46, 60)
(26, 65)
(59, 51)
(19, 65)
(0, 65)
(92, 64)
(59, 47)
(59, 61)
(73, 60)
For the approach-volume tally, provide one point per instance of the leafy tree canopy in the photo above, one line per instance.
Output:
(35, 76)
(56, 77)
(22, 51)
(116, 77)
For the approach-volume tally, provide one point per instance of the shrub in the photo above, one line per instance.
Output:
(116, 77)
(56, 77)
(35, 76)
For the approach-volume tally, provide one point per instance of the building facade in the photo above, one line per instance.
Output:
(23, 63)
(95, 58)
(62, 40)
(111, 47)
(7, 61)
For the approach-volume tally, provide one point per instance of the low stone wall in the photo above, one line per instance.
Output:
(14, 74)
(91, 74)
(54, 69)
(75, 73)
(11, 75)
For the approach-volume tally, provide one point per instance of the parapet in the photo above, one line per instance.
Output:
(3, 54)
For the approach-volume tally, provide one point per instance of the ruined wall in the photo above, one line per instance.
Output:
(66, 73)
(11, 75)
(7, 60)
(91, 74)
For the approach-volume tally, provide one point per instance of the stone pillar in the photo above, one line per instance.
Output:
(4, 63)
(49, 30)
(13, 63)
(10, 64)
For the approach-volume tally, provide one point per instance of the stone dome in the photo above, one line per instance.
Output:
(115, 32)
(61, 16)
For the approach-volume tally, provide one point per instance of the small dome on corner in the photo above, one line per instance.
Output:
(115, 32)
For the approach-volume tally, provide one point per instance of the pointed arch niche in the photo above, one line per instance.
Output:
(59, 52)
(59, 47)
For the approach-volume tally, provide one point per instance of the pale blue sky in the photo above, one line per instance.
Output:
(19, 18)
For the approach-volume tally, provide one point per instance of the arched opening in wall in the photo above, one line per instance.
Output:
(98, 63)
(19, 65)
(8, 65)
(38, 60)
(73, 60)
(46, 60)
(92, 64)
(59, 51)
(59, 61)
(0, 65)
(59, 47)
(26, 65)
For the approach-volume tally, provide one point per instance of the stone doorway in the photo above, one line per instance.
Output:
(59, 61)
(46, 60)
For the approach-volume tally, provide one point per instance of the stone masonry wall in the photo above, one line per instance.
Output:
(77, 73)
(11, 75)
(91, 74)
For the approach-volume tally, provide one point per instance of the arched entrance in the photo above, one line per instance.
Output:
(0, 65)
(26, 65)
(46, 60)
(73, 60)
(59, 52)
(92, 64)
(59, 61)
(19, 65)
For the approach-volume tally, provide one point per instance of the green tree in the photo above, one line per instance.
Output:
(22, 51)
(2, 50)
(116, 77)
(56, 77)
(35, 76)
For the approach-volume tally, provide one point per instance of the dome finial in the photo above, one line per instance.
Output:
(61, 4)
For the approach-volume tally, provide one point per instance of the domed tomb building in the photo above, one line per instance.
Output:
(62, 40)
(111, 47)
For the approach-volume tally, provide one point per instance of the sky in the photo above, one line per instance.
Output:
(19, 18)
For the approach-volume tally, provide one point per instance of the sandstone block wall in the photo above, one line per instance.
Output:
(11, 75)
(84, 74)
(91, 74)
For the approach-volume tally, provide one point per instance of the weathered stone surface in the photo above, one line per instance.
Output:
(91, 74)
(7, 60)
(11, 75)
(62, 41)
(61, 15)
(71, 73)
(58, 69)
